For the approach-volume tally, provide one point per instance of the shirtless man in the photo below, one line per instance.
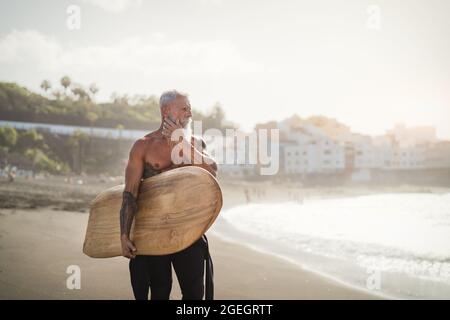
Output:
(151, 155)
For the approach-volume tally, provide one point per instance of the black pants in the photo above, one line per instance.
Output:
(155, 273)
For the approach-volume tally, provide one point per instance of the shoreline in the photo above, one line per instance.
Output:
(76, 195)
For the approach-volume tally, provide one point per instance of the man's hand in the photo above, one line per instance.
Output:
(128, 248)
(170, 126)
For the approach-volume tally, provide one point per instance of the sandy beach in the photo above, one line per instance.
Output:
(38, 244)
(37, 247)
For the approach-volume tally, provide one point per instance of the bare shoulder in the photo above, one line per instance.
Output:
(148, 144)
(138, 145)
(142, 145)
(153, 141)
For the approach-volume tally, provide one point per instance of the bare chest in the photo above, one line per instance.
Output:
(158, 156)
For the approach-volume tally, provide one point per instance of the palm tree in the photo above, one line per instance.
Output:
(93, 88)
(45, 85)
(65, 82)
(79, 91)
(57, 94)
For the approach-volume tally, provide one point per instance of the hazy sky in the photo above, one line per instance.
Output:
(261, 60)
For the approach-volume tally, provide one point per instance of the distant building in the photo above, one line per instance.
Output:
(407, 137)
(333, 148)
(385, 152)
(309, 149)
(317, 155)
(438, 155)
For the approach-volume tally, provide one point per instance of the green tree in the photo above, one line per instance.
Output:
(218, 115)
(45, 85)
(80, 93)
(65, 82)
(58, 94)
(214, 119)
(91, 117)
(30, 139)
(8, 137)
(41, 161)
(93, 89)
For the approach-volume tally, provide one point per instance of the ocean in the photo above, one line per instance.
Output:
(395, 244)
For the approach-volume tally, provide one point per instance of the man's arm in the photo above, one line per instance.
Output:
(133, 174)
(203, 159)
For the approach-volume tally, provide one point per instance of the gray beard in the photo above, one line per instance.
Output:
(187, 131)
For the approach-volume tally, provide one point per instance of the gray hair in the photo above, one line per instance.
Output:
(169, 96)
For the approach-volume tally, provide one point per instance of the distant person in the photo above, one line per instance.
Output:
(300, 197)
(11, 176)
(247, 195)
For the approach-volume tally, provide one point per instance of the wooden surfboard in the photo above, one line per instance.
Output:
(175, 208)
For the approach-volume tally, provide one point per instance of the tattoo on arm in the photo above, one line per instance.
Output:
(127, 212)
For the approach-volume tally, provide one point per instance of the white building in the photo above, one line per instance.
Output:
(313, 155)
(411, 157)
(235, 155)
(310, 150)
(333, 147)
(384, 152)
(407, 137)
(372, 153)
